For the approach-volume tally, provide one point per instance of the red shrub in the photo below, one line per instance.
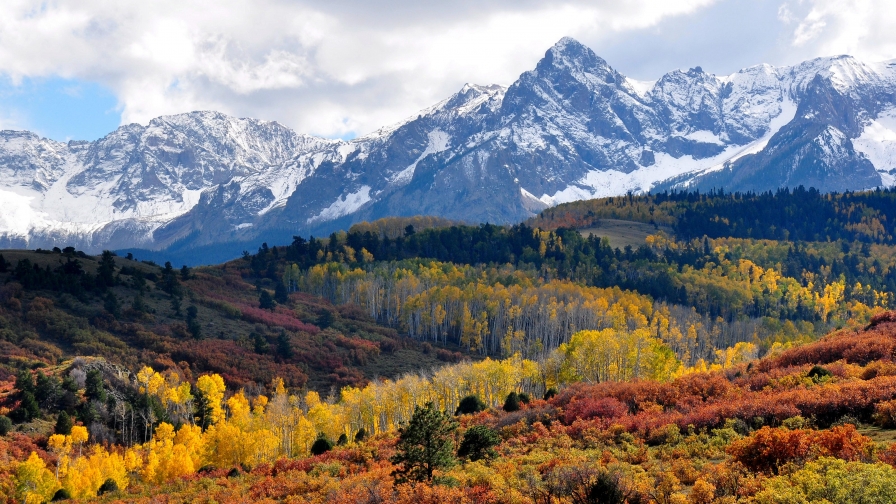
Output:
(587, 408)
(768, 449)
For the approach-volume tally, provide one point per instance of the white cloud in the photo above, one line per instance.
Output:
(865, 29)
(323, 67)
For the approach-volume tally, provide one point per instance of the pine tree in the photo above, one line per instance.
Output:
(175, 305)
(478, 443)
(193, 324)
(46, 390)
(260, 343)
(325, 319)
(93, 386)
(63, 424)
(105, 273)
(425, 444)
(5, 425)
(284, 345)
(112, 305)
(512, 403)
(28, 409)
(280, 294)
(321, 445)
(24, 381)
(470, 404)
(265, 301)
(137, 304)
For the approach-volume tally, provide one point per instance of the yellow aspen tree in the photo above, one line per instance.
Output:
(35, 483)
(79, 436)
(212, 388)
(61, 446)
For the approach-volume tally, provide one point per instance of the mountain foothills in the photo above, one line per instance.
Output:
(204, 185)
(741, 353)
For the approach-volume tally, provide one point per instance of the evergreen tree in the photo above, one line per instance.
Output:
(28, 409)
(512, 403)
(202, 409)
(470, 404)
(284, 345)
(94, 389)
(325, 319)
(260, 343)
(138, 305)
(169, 282)
(4, 264)
(108, 486)
(61, 495)
(478, 443)
(5, 425)
(105, 273)
(193, 324)
(111, 305)
(63, 424)
(24, 381)
(46, 390)
(425, 444)
(175, 305)
(265, 301)
(321, 445)
(280, 294)
(184, 272)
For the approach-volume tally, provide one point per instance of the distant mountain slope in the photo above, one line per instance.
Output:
(572, 128)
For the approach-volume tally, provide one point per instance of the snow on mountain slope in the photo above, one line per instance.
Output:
(144, 176)
(878, 144)
(571, 128)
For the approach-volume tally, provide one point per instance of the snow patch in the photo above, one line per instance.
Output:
(17, 217)
(641, 88)
(878, 143)
(599, 184)
(343, 205)
(438, 142)
(788, 112)
(704, 136)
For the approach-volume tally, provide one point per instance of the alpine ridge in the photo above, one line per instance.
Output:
(572, 128)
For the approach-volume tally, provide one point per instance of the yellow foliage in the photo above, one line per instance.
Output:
(212, 387)
(34, 482)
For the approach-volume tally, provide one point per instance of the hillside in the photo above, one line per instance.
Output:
(57, 305)
(219, 382)
(810, 422)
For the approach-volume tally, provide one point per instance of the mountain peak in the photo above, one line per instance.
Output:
(572, 54)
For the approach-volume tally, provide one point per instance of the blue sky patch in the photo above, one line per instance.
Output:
(57, 108)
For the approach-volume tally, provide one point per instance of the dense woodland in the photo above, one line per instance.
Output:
(546, 366)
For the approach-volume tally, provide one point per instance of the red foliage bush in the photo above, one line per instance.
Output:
(879, 342)
(882, 318)
(276, 319)
(586, 408)
(768, 449)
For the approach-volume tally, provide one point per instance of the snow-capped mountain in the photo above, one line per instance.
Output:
(572, 128)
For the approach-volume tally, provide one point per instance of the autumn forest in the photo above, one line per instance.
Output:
(741, 349)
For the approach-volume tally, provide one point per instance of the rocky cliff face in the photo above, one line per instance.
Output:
(572, 128)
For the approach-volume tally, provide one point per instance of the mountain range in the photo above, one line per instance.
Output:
(202, 185)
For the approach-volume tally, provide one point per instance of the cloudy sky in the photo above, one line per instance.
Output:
(76, 69)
